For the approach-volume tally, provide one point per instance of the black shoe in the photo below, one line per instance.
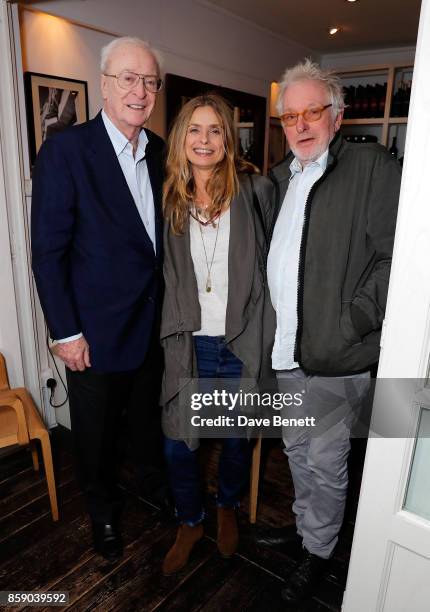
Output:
(107, 541)
(280, 538)
(302, 582)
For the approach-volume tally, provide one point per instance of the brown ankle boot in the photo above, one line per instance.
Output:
(177, 556)
(228, 535)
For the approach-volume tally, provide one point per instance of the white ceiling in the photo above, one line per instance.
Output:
(365, 24)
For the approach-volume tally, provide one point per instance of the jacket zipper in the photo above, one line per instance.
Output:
(301, 271)
(277, 208)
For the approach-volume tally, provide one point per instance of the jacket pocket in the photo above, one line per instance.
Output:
(347, 329)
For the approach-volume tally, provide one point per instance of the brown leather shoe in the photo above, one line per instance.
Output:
(177, 556)
(228, 534)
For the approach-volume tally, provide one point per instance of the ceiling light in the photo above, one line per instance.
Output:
(333, 31)
(351, 0)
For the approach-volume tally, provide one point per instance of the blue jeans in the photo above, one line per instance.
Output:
(214, 360)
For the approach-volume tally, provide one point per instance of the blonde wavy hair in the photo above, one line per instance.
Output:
(179, 186)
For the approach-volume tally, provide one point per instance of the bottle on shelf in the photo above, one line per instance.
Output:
(365, 101)
(358, 102)
(406, 98)
(400, 104)
(373, 101)
(382, 94)
(393, 149)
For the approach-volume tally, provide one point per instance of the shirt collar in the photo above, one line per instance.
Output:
(120, 142)
(296, 166)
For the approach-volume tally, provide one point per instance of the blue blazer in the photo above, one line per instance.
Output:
(94, 264)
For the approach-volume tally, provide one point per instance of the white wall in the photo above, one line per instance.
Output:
(56, 47)
(397, 55)
(198, 41)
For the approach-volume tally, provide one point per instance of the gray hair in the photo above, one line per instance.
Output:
(310, 71)
(108, 49)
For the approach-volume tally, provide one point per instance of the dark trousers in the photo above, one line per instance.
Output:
(214, 360)
(101, 405)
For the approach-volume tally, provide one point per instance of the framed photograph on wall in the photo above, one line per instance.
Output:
(53, 104)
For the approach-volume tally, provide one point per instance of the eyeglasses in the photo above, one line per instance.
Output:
(309, 114)
(128, 80)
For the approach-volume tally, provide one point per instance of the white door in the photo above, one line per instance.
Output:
(390, 562)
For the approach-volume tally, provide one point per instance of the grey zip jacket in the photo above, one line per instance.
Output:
(345, 256)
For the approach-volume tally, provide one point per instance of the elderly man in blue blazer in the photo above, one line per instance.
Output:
(97, 254)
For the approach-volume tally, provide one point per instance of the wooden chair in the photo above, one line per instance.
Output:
(255, 477)
(20, 423)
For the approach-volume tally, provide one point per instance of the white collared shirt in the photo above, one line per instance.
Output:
(283, 259)
(136, 174)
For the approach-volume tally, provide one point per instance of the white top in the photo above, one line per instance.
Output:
(283, 259)
(136, 174)
(213, 304)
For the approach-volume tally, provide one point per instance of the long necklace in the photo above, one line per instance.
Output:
(209, 265)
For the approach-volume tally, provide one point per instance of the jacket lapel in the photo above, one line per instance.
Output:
(155, 170)
(116, 195)
(241, 261)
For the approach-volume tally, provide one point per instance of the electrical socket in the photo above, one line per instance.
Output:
(46, 375)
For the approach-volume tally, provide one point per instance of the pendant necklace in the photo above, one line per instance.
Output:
(209, 265)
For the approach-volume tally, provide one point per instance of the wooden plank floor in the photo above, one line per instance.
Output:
(36, 554)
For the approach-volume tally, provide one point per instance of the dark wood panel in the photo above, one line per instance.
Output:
(137, 583)
(28, 488)
(201, 586)
(14, 547)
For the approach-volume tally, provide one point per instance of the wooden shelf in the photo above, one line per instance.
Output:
(389, 71)
(374, 121)
(397, 120)
(245, 124)
(364, 121)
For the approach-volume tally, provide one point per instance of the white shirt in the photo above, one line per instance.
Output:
(283, 259)
(213, 304)
(136, 174)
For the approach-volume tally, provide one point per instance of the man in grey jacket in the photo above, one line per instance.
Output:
(328, 272)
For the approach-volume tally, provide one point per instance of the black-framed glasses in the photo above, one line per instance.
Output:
(309, 114)
(128, 80)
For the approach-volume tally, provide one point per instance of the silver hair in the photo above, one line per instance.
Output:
(310, 71)
(108, 49)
